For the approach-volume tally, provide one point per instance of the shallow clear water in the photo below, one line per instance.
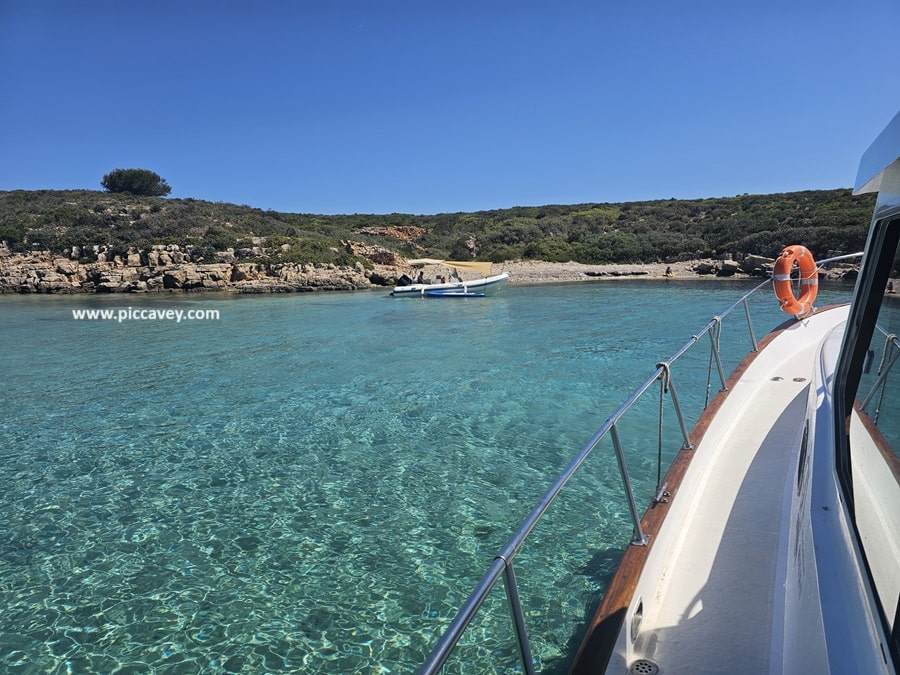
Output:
(314, 483)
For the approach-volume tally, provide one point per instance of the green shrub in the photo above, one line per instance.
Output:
(136, 182)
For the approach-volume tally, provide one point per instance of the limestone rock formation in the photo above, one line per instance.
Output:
(166, 270)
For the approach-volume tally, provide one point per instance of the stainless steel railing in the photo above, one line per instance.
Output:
(889, 357)
(502, 565)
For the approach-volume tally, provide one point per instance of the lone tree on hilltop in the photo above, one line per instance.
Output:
(136, 182)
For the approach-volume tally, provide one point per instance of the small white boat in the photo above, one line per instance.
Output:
(468, 288)
(772, 544)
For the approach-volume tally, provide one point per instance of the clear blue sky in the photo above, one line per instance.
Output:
(380, 106)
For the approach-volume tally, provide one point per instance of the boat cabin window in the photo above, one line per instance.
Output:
(867, 395)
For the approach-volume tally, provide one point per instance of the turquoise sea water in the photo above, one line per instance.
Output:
(314, 483)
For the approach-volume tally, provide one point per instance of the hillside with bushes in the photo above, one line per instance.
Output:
(77, 223)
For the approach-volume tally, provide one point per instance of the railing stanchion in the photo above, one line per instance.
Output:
(750, 325)
(515, 608)
(714, 336)
(670, 385)
(639, 538)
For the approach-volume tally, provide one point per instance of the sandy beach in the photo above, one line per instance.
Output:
(533, 271)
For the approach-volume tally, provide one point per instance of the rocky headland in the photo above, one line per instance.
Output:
(172, 269)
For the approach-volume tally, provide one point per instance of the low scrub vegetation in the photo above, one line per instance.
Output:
(631, 232)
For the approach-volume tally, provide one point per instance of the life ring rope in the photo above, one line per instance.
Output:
(809, 280)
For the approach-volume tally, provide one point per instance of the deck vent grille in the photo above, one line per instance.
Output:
(643, 667)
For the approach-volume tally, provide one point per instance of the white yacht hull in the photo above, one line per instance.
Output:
(750, 532)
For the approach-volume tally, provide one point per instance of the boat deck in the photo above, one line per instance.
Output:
(712, 603)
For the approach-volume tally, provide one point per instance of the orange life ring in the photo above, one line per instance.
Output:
(809, 280)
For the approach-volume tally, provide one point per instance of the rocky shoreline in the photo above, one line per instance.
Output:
(173, 271)
(45, 273)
